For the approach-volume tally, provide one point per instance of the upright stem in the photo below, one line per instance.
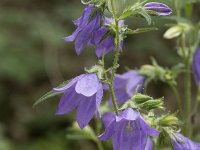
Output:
(188, 98)
(188, 129)
(116, 58)
(178, 99)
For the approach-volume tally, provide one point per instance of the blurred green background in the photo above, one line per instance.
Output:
(34, 58)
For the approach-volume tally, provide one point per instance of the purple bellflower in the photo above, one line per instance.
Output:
(182, 143)
(86, 27)
(196, 66)
(105, 43)
(128, 131)
(126, 84)
(160, 8)
(84, 93)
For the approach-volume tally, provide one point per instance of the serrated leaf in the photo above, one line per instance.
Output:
(50, 94)
(140, 30)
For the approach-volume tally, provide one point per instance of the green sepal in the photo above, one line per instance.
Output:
(140, 98)
(50, 94)
(128, 104)
(139, 30)
(164, 137)
(168, 120)
(152, 104)
(132, 10)
(144, 13)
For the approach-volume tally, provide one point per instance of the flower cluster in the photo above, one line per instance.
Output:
(128, 127)
(92, 29)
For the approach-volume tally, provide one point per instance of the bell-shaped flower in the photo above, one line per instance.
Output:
(196, 66)
(160, 8)
(83, 93)
(87, 25)
(182, 143)
(126, 84)
(128, 131)
(104, 40)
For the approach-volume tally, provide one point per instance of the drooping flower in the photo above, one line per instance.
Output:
(87, 25)
(104, 40)
(128, 131)
(160, 8)
(125, 85)
(196, 66)
(84, 93)
(182, 143)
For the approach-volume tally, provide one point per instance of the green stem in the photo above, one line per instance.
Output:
(99, 145)
(116, 58)
(112, 92)
(178, 99)
(187, 62)
(188, 98)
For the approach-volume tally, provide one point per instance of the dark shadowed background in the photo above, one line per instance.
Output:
(34, 58)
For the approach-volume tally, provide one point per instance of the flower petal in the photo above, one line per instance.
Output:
(160, 8)
(133, 83)
(147, 128)
(128, 114)
(121, 139)
(69, 101)
(73, 36)
(84, 37)
(88, 85)
(121, 96)
(86, 111)
(138, 138)
(185, 144)
(149, 144)
(109, 131)
(72, 82)
(99, 96)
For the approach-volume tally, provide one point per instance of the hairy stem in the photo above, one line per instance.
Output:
(116, 58)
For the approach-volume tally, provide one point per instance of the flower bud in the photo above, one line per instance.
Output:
(177, 30)
(169, 120)
(140, 98)
(173, 32)
(151, 104)
(160, 8)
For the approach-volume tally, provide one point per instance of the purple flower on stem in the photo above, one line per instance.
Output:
(128, 131)
(196, 66)
(105, 43)
(126, 84)
(84, 93)
(182, 143)
(86, 26)
(160, 8)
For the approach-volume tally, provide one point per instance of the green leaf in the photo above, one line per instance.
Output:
(144, 13)
(50, 94)
(126, 14)
(140, 30)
